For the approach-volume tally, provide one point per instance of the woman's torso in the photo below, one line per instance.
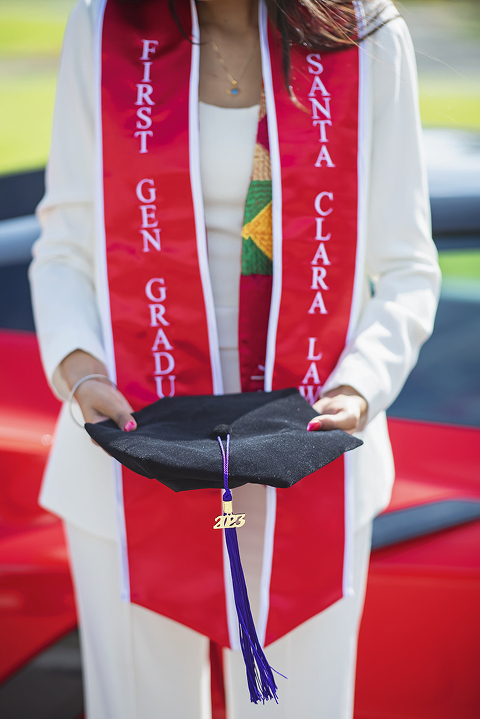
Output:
(79, 483)
(87, 496)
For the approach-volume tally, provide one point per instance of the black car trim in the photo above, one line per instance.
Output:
(413, 522)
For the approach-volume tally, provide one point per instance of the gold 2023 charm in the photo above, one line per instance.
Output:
(228, 520)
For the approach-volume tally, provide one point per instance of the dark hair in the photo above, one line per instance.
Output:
(323, 25)
(317, 24)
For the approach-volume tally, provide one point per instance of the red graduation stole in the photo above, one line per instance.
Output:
(158, 314)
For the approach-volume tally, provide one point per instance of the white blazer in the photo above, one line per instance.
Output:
(401, 267)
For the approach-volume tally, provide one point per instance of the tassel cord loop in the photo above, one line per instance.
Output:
(227, 496)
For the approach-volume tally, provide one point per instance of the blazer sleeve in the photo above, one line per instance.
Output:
(401, 259)
(62, 271)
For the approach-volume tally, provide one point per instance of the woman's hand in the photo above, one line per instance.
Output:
(98, 400)
(341, 408)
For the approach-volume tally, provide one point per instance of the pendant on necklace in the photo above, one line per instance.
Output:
(234, 90)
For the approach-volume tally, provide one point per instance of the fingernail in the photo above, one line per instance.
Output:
(313, 425)
(129, 426)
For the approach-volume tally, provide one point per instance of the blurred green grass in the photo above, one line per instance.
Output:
(25, 121)
(450, 103)
(30, 41)
(450, 110)
(31, 33)
(22, 35)
(460, 265)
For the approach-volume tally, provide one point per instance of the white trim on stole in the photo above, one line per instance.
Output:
(358, 285)
(101, 274)
(198, 208)
(271, 512)
(271, 505)
(277, 229)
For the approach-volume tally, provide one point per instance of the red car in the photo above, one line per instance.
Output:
(419, 648)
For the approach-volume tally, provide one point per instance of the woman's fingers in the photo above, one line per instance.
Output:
(341, 420)
(328, 405)
(99, 401)
(98, 398)
(339, 412)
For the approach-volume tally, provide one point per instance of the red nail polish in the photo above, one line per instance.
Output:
(129, 426)
(313, 425)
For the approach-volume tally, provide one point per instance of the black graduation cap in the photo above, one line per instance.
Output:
(224, 442)
(176, 443)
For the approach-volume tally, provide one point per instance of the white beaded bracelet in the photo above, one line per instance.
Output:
(77, 385)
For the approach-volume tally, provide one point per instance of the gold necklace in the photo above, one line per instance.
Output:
(234, 90)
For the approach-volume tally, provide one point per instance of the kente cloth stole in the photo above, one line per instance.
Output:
(301, 284)
(257, 253)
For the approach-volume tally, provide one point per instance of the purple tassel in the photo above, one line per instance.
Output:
(261, 682)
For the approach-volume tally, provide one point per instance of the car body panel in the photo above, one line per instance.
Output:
(422, 597)
(419, 644)
(36, 594)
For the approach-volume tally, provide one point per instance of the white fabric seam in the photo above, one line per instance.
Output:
(357, 290)
(269, 536)
(103, 295)
(266, 576)
(276, 198)
(198, 209)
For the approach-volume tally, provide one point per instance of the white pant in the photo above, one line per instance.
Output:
(140, 665)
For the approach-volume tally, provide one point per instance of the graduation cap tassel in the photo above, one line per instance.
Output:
(261, 682)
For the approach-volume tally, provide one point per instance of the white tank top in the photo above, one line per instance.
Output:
(227, 143)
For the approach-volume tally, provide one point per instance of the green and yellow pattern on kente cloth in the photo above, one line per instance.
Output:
(257, 224)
